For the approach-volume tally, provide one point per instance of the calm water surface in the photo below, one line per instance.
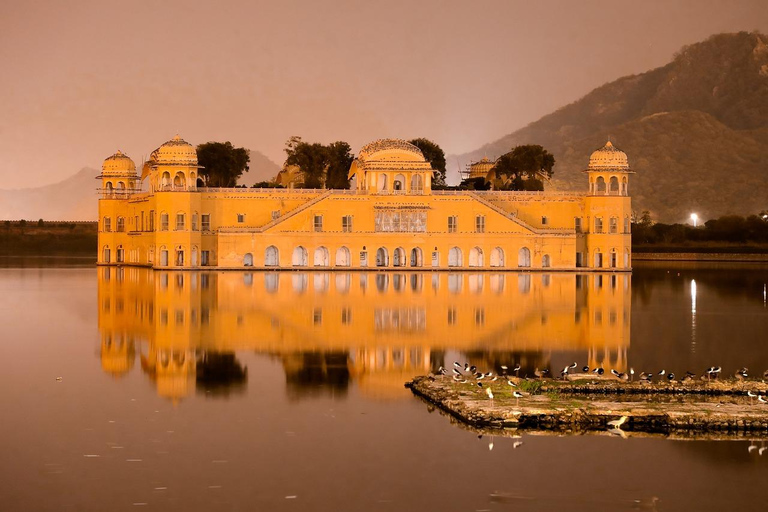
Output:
(284, 391)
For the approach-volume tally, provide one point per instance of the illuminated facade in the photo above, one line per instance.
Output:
(378, 329)
(391, 219)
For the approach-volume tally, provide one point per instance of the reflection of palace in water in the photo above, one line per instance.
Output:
(328, 329)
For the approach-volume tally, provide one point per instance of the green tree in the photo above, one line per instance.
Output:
(523, 167)
(321, 165)
(340, 159)
(436, 158)
(40, 223)
(222, 163)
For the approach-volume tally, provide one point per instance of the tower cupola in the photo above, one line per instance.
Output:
(608, 171)
(118, 176)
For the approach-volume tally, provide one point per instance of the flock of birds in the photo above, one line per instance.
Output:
(466, 374)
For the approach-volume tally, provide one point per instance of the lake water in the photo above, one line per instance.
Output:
(129, 389)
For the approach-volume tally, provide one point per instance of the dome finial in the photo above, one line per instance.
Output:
(176, 137)
(608, 144)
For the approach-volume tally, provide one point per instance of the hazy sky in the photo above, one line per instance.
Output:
(81, 79)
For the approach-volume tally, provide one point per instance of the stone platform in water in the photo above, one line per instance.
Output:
(718, 407)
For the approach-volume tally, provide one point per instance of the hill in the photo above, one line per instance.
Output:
(261, 168)
(75, 198)
(695, 130)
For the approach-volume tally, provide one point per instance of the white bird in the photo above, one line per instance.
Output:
(517, 444)
(761, 450)
(761, 399)
(751, 448)
(489, 393)
(518, 395)
(618, 423)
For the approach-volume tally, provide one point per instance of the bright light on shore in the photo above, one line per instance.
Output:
(694, 219)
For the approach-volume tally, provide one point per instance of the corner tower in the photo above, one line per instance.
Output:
(608, 209)
(608, 172)
(118, 176)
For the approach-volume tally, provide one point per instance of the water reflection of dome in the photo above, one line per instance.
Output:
(117, 357)
(608, 157)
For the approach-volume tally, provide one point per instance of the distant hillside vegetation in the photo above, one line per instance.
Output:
(695, 130)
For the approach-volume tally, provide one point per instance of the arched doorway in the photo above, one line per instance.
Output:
(417, 257)
(179, 181)
(497, 257)
(545, 261)
(163, 256)
(454, 257)
(382, 257)
(120, 254)
(381, 184)
(321, 258)
(106, 254)
(194, 256)
(600, 185)
(272, 257)
(342, 257)
(476, 257)
(248, 260)
(399, 257)
(417, 183)
(398, 183)
(524, 257)
(299, 257)
(614, 185)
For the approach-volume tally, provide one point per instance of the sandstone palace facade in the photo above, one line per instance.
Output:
(391, 219)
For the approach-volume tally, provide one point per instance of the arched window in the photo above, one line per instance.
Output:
(120, 224)
(342, 257)
(382, 257)
(614, 185)
(454, 257)
(179, 181)
(193, 260)
(417, 257)
(614, 262)
(120, 254)
(248, 260)
(106, 255)
(546, 261)
(524, 257)
(399, 182)
(476, 257)
(321, 258)
(166, 179)
(299, 258)
(626, 258)
(624, 186)
(109, 189)
(497, 257)
(417, 183)
(381, 186)
(272, 257)
(106, 226)
(399, 257)
(600, 185)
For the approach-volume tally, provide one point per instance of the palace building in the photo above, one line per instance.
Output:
(390, 219)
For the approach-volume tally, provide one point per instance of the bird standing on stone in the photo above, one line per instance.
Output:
(618, 423)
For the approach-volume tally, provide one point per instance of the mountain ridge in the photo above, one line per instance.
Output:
(672, 121)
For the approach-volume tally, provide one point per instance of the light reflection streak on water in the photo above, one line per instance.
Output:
(693, 316)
